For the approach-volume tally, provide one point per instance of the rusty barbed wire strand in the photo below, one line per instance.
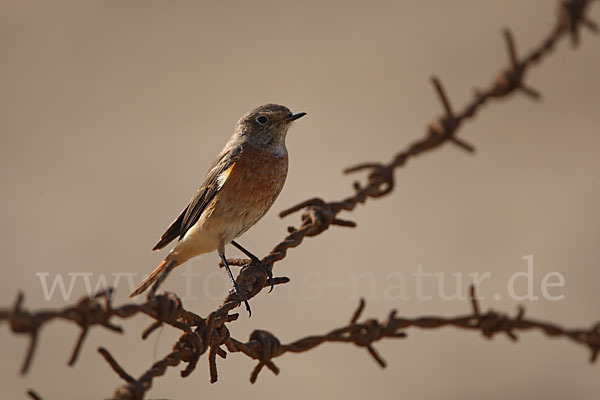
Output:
(319, 215)
(264, 346)
(201, 335)
(97, 310)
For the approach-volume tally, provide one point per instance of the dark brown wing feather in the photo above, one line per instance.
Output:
(210, 187)
(171, 233)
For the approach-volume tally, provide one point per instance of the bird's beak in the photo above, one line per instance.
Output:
(293, 117)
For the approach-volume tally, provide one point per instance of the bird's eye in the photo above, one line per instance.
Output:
(262, 120)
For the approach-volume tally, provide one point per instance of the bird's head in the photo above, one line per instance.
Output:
(266, 126)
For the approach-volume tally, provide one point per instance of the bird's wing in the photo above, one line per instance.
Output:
(210, 187)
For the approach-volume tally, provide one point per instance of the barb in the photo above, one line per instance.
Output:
(33, 394)
(201, 335)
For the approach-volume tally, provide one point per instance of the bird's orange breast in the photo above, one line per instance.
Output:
(250, 187)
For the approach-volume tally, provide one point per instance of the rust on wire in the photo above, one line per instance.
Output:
(211, 335)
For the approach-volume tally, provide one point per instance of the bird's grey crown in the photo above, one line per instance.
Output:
(274, 108)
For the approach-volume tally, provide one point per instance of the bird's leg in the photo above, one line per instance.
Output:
(252, 257)
(256, 261)
(236, 288)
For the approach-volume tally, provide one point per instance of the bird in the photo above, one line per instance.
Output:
(238, 190)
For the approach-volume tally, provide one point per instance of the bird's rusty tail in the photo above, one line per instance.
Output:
(165, 266)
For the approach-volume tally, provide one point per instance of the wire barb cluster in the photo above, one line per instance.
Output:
(201, 335)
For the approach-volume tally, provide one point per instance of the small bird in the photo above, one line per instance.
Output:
(238, 190)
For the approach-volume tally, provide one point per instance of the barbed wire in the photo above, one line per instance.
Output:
(201, 335)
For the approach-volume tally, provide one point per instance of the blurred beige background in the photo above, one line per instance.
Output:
(111, 112)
